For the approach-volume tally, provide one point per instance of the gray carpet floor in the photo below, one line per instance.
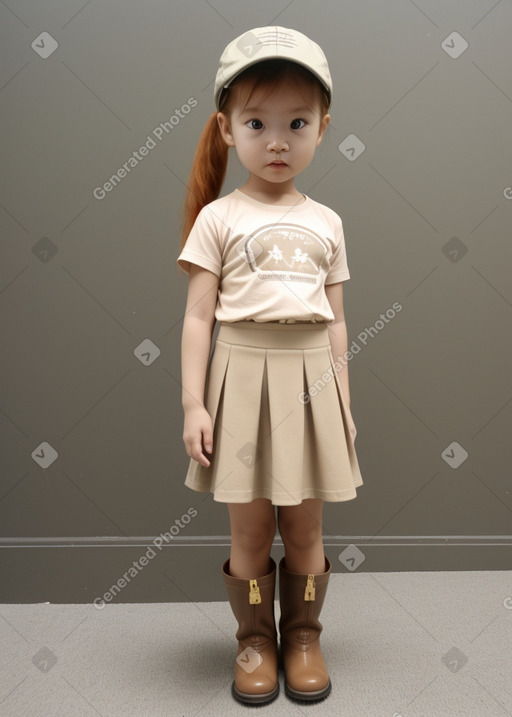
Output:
(416, 644)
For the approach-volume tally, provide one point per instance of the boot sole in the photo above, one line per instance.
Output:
(307, 696)
(255, 700)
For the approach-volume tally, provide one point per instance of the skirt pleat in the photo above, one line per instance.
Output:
(285, 429)
(330, 434)
(279, 418)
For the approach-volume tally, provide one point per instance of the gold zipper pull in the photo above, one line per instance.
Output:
(310, 588)
(254, 593)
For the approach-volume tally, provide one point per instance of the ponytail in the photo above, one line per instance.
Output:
(206, 175)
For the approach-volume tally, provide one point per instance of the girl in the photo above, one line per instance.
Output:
(267, 415)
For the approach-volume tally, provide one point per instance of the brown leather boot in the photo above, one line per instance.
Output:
(252, 602)
(301, 598)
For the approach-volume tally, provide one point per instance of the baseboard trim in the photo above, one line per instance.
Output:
(81, 569)
(205, 541)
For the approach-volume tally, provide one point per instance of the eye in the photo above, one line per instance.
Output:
(297, 120)
(257, 121)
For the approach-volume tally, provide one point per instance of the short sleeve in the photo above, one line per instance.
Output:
(339, 269)
(202, 246)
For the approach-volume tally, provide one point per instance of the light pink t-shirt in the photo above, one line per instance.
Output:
(272, 261)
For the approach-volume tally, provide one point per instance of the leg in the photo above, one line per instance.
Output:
(303, 577)
(300, 527)
(250, 575)
(253, 526)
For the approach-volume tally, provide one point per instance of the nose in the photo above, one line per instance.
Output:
(277, 145)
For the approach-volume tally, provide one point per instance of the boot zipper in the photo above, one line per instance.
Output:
(254, 593)
(309, 593)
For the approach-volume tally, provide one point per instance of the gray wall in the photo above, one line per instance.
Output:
(91, 301)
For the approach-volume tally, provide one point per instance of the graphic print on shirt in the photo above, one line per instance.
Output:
(285, 252)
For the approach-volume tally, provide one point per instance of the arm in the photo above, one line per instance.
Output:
(338, 332)
(195, 350)
(339, 340)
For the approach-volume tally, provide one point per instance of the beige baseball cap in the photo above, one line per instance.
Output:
(266, 43)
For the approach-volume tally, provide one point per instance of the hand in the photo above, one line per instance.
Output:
(198, 434)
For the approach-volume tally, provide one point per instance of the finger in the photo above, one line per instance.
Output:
(202, 459)
(199, 455)
(195, 449)
(208, 440)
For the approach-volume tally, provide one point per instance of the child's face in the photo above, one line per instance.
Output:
(280, 126)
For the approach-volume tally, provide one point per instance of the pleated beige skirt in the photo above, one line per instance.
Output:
(279, 417)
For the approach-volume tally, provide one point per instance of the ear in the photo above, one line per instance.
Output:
(323, 126)
(225, 129)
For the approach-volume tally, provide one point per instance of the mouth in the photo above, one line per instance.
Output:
(278, 163)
